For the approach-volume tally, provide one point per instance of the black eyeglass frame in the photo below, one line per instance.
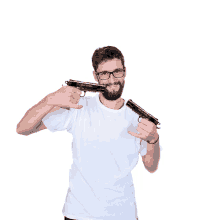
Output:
(97, 73)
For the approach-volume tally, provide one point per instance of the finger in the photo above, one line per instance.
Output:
(134, 134)
(142, 131)
(147, 128)
(79, 106)
(74, 103)
(143, 127)
(75, 106)
(76, 90)
(74, 100)
(144, 121)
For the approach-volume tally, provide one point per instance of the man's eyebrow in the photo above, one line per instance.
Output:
(113, 70)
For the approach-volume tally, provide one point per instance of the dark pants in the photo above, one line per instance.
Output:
(65, 218)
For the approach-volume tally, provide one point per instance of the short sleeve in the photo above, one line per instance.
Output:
(58, 120)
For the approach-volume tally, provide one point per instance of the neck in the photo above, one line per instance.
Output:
(115, 104)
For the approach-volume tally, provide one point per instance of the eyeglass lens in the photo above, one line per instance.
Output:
(106, 75)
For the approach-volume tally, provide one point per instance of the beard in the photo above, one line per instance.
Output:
(113, 93)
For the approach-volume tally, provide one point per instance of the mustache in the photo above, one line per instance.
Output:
(113, 84)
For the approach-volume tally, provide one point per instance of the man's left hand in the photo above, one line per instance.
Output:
(147, 129)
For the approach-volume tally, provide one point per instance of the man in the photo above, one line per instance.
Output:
(105, 145)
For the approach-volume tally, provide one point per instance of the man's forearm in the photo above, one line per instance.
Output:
(151, 159)
(33, 116)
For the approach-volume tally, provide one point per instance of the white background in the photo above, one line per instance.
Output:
(172, 55)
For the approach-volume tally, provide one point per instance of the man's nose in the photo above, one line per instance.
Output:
(112, 79)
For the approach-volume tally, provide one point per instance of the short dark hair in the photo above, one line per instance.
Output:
(106, 53)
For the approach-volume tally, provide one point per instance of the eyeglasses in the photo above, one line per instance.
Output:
(118, 73)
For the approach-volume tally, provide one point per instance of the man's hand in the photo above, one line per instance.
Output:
(65, 97)
(147, 129)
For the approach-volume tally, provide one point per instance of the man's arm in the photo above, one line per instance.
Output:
(39, 126)
(151, 159)
(148, 132)
(32, 120)
(66, 97)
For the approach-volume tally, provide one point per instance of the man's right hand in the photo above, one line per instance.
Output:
(65, 97)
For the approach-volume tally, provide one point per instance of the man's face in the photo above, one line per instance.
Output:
(115, 86)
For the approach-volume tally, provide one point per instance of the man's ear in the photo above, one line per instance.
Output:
(125, 71)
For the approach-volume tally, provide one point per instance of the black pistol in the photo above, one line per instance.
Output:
(86, 86)
(141, 112)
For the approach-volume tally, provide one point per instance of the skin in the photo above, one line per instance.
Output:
(112, 97)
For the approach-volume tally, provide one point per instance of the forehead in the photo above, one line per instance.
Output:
(110, 65)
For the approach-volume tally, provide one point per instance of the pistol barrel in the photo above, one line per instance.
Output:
(86, 86)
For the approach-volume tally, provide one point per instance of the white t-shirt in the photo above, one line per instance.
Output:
(104, 153)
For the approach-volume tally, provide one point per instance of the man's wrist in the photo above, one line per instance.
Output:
(154, 139)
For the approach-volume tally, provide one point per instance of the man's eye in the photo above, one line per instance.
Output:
(104, 73)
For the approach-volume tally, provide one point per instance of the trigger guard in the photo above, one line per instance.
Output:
(84, 94)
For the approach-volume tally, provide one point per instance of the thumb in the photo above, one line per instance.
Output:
(79, 106)
(134, 134)
(71, 104)
(76, 106)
